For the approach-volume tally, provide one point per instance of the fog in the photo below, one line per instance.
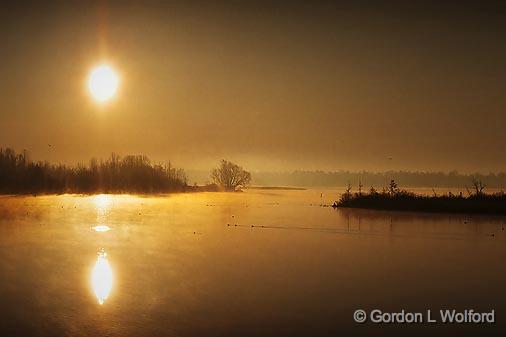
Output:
(274, 87)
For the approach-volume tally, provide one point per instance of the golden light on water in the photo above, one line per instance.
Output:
(102, 202)
(103, 83)
(101, 277)
(101, 228)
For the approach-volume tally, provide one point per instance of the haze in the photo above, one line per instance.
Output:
(271, 86)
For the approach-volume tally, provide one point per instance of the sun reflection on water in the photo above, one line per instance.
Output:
(101, 228)
(101, 277)
(102, 202)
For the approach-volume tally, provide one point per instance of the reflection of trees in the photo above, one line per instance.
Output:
(359, 214)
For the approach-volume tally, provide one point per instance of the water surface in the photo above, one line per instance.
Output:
(258, 263)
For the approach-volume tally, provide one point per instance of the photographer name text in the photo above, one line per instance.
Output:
(448, 316)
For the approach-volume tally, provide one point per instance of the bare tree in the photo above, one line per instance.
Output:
(348, 188)
(393, 189)
(360, 186)
(347, 192)
(230, 176)
(479, 186)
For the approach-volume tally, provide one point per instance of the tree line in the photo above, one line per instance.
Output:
(133, 173)
(408, 178)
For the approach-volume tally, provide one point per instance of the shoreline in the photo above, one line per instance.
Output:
(280, 188)
(187, 189)
(488, 204)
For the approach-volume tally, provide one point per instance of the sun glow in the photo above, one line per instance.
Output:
(101, 277)
(102, 202)
(103, 83)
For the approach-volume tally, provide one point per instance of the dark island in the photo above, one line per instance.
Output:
(394, 199)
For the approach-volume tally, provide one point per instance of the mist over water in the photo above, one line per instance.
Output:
(274, 86)
(262, 262)
(294, 105)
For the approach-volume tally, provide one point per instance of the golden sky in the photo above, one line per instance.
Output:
(271, 86)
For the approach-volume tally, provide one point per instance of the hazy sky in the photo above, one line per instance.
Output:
(273, 86)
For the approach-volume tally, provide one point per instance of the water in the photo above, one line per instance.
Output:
(193, 265)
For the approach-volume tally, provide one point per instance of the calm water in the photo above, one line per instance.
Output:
(179, 266)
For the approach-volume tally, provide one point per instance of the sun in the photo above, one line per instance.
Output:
(103, 83)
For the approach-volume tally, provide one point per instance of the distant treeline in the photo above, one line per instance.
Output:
(134, 174)
(368, 179)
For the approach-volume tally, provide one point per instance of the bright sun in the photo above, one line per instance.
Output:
(103, 83)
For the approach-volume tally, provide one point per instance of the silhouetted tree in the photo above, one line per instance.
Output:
(230, 176)
(360, 186)
(479, 186)
(392, 188)
(347, 192)
(129, 174)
